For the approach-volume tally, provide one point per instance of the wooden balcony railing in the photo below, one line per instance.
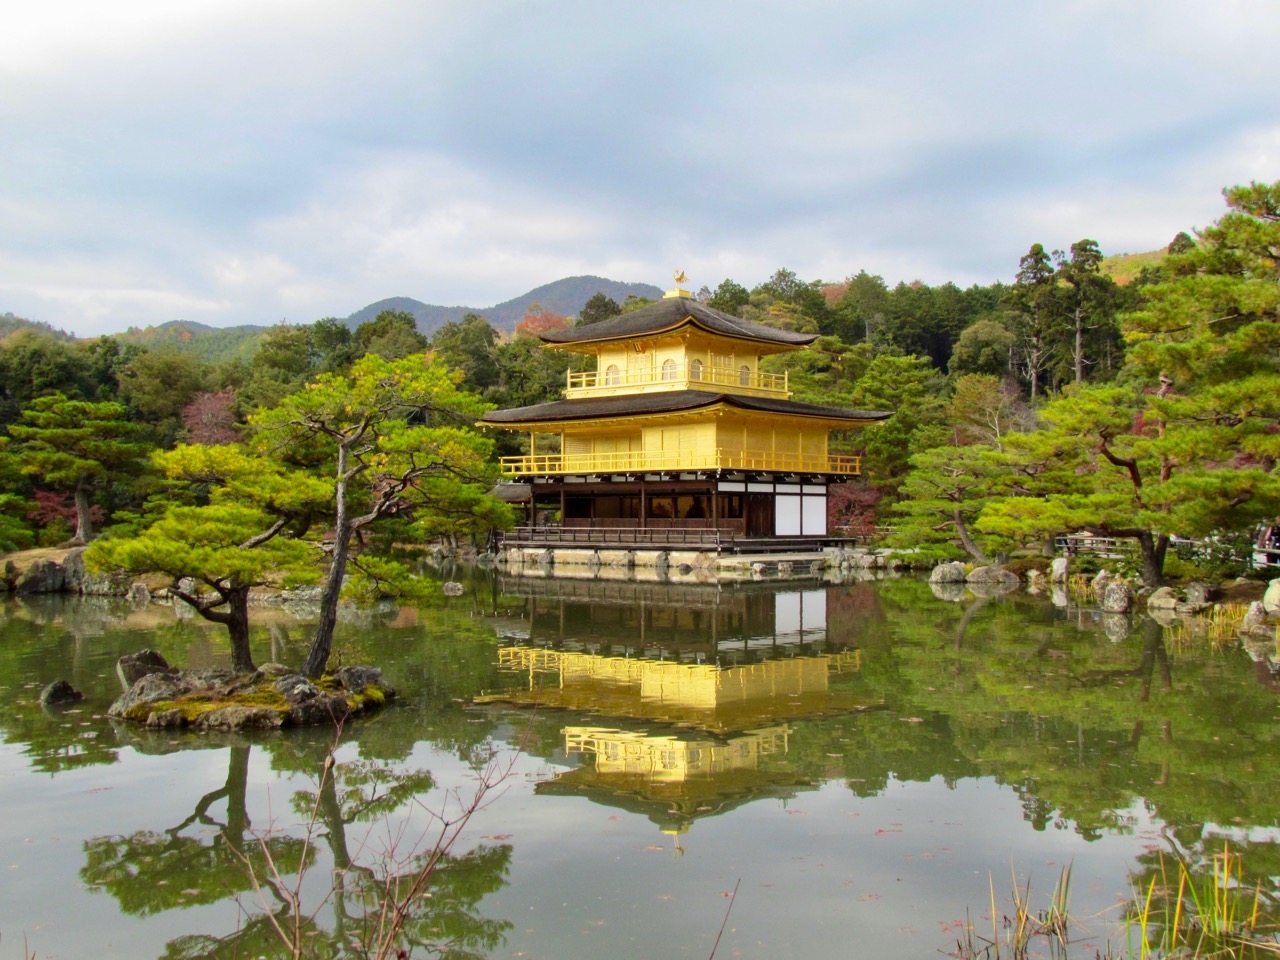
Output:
(683, 460)
(675, 375)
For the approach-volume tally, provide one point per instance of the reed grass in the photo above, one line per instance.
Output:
(1179, 914)
(1206, 915)
(1080, 584)
(1219, 626)
(1014, 935)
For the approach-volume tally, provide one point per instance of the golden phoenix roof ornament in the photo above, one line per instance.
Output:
(679, 291)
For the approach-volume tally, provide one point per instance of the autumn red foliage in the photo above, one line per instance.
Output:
(209, 418)
(537, 321)
(58, 506)
(851, 509)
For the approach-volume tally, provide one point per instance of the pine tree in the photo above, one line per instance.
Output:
(76, 447)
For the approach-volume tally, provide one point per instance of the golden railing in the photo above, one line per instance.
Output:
(681, 460)
(677, 373)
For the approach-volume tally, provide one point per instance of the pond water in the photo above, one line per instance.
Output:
(863, 762)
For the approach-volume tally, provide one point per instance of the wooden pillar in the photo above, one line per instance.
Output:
(644, 505)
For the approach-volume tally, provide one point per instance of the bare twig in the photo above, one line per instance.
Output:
(723, 923)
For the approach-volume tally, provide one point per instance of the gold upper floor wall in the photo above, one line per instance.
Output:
(687, 361)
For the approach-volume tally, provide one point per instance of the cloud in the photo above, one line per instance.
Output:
(236, 162)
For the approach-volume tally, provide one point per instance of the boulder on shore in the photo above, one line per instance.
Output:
(1271, 599)
(953, 572)
(43, 576)
(992, 574)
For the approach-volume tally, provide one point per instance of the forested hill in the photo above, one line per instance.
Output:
(211, 344)
(10, 324)
(564, 297)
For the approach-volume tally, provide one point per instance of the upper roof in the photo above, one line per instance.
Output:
(668, 314)
(674, 401)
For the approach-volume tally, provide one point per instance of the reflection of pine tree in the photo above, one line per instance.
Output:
(376, 902)
(148, 871)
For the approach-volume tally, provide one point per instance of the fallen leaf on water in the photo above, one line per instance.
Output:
(653, 848)
(726, 893)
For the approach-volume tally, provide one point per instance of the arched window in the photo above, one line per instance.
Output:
(612, 375)
(695, 369)
(744, 375)
(668, 369)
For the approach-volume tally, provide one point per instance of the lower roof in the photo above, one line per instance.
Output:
(675, 401)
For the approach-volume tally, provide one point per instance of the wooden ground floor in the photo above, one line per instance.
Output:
(704, 512)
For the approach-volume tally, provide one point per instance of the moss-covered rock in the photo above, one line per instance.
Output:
(268, 699)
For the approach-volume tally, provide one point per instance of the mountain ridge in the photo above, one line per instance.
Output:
(564, 296)
(215, 344)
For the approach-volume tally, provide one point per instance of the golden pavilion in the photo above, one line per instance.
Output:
(677, 437)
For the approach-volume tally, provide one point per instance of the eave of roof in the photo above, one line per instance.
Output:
(670, 314)
(675, 401)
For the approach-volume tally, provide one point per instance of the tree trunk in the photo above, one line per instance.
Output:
(84, 521)
(235, 619)
(1079, 345)
(322, 643)
(1153, 551)
(966, 541)
(238, 626)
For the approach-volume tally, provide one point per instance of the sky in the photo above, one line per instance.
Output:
(259, 161)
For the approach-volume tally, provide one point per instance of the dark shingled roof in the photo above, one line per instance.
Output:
(673, 401)
(673, 312)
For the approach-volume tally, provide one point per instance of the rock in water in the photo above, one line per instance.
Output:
(59, 692)
(1116, 598)
(1255, 620)
(153, 688)
(355, 679)
(296, 689)
(134, 666)
(1198, 593)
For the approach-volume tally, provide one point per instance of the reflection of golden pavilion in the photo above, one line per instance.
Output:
(675, 777)
(692, 690)
(705, 695)
(676, 620)
(669, 758)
